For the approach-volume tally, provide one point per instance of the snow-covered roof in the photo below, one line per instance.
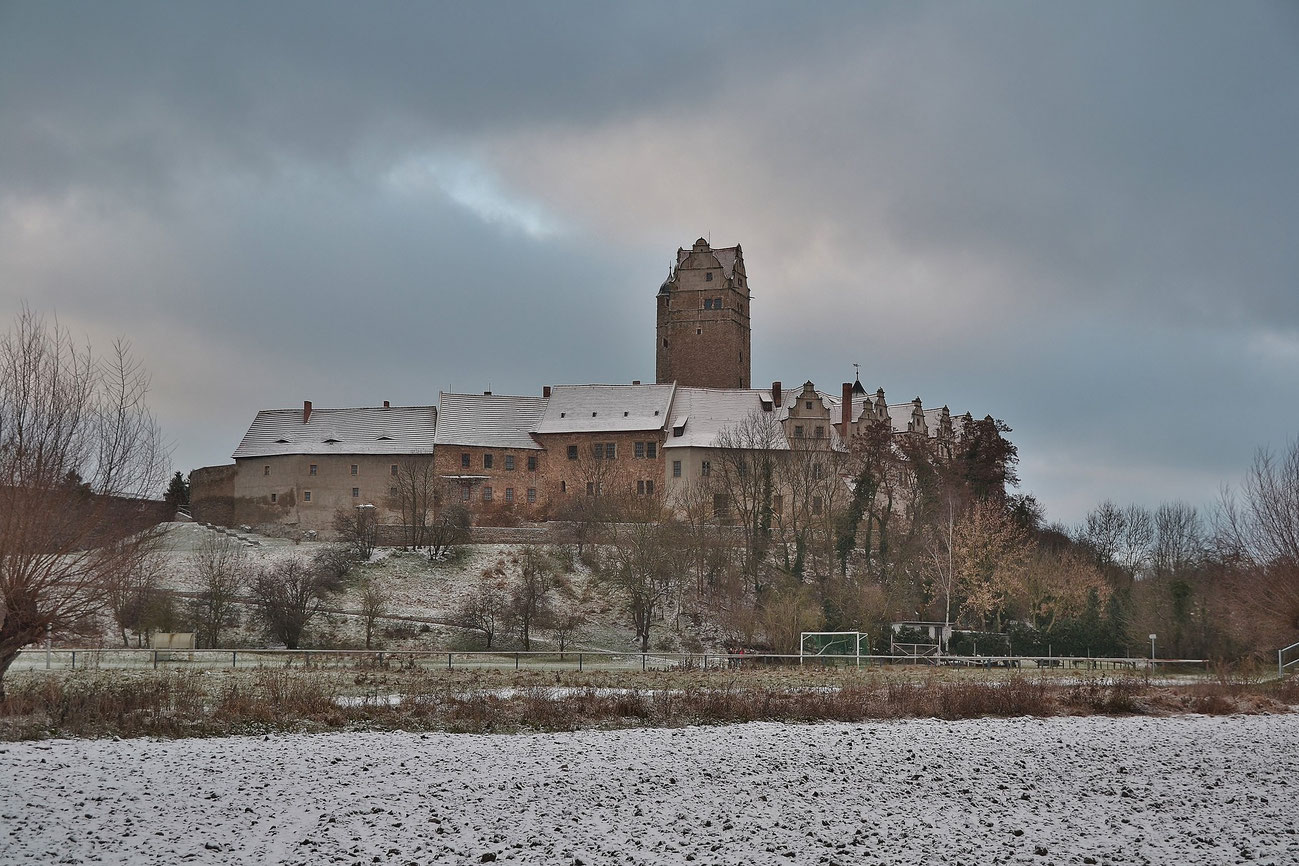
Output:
(488, 420)
(606, 408)
(378, 430)
(706, 412)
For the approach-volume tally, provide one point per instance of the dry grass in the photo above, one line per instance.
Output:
(198, 703)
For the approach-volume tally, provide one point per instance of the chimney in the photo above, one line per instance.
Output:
(306, 411)
(487, 393)
(545, 391)
(776, 395)
(386, 405)
(846, 410)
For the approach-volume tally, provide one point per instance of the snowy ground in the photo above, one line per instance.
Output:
(1189, 789)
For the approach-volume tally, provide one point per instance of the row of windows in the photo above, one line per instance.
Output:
(314, 469)
(609, 450)
(818, 431)
(489, 462)
(712, 303)
(488, 494)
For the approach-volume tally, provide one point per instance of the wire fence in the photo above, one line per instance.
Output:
(64, 659)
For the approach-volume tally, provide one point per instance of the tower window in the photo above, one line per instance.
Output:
(356, 492)
(665, 342)
(708, 277)
(676, 468)
(274, 497)
(717, 303)
(708, 303)
(699, 331)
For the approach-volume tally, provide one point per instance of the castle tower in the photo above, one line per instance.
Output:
(703, 320)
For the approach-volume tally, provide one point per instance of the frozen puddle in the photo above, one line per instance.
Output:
(1189, 789)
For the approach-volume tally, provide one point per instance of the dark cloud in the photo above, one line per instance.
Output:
(1079, 218)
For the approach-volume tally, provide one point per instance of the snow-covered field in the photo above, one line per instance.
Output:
(1190, 789)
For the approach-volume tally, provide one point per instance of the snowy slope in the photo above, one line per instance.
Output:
(1188, 789)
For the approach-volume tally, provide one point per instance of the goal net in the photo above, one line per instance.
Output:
(833, 645)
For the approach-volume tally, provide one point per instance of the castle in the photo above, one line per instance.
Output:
(531, 455)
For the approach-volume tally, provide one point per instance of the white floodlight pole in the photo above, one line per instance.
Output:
(1152, 648)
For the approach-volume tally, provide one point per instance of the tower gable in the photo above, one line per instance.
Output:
(702, 334)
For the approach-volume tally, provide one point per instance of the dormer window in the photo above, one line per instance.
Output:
(809, 404)
(708, 277)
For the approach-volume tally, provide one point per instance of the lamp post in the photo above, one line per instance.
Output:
(1152, 647)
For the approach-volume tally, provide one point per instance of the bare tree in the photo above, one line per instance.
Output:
(416, 485)
(358, 529)
(531, 592)
(746, 458)
(79, 456)
(1260, 532)
(219, 562)
(485, 608)
(1180, 543)
(562, 624)
(289, 595)
(449, 529)
(137, 602)
(374, 606)
(641, 562)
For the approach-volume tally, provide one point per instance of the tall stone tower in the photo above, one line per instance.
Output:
(703, 320)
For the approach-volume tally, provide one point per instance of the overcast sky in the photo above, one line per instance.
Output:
(1080, 218)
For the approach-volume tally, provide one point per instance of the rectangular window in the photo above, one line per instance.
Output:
(394, 470)
(509, 494)
(640, 488)
(610, 451)
(487, 461)
(356, 492)
(532, 464)
(820, 432)
(509, 462)
(464, 492)
(649, 487)
(312, 470)
(652, 450)
(717, 303)
(817, 472)
(572, 452)
(563, 487)
(798, 431)
(708, 277)
(676, 468)
(487, 494)
(708, 303)
(392, 491)
(354, 468)
(816, 504)
(274, 497)
(705, 467)
(597, 450)
(266, 470)
(639, 449)
(464, 461)
(306, 496)
(532, 495)
(809, 404)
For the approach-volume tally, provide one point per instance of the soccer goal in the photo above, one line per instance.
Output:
(834, 644)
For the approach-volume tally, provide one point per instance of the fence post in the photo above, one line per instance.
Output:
(579, 663)
(448, 661)
(234, 659)
(516, 661)
(74, 660)
(642, 662)
(155, 660)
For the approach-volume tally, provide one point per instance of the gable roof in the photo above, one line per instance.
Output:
(726, 257)
(378, 430)
(606, 408)
(488, 420)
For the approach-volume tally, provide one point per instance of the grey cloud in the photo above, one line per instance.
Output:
(1079, 218)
